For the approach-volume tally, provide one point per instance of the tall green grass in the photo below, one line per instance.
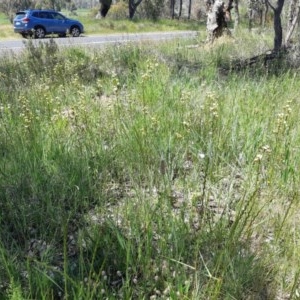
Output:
(144, 173)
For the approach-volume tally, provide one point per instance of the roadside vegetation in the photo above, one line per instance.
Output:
(111, 25)
(149, 172)
(6, 28)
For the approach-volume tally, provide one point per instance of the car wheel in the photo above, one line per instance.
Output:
(75, 31)
(39, 33)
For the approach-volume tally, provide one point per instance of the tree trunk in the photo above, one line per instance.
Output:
(236, 14)
(180, 9)
(190, 9)
(294, 12)
(216, 19)
(277, 24)
(233, 4)
(132, 7)
(292, 7)
(172, 8)
(250, 15)
(104, 7)
(277, 30)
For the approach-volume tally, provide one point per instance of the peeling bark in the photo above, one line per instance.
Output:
(294, 12)
(216, 19)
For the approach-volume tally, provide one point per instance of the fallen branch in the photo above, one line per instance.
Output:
(261, 60)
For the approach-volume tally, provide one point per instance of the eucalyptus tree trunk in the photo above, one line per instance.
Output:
(132, 7)
(277, 9)
(104, 7)
(216, 19)
(180, 9)
(172, 9)
(292, 7)
(293, 17)
(190, 9)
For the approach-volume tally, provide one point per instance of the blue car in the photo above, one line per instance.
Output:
(39, 23)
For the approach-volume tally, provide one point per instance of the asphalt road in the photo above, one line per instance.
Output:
(15, 46)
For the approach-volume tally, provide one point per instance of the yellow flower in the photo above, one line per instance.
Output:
(178, 135)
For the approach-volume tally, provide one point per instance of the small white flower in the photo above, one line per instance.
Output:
(119, 273)
(201, 155)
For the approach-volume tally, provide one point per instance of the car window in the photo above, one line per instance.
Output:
(57, 16)
(48, 15)
(43, 15)
(20, 15)
(35, 14)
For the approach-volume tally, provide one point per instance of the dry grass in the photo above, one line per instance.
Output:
(7, 32)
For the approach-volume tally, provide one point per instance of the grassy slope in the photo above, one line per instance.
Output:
(148, 173)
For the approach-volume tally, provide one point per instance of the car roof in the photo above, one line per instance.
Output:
(31, 10)
(42, 10)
